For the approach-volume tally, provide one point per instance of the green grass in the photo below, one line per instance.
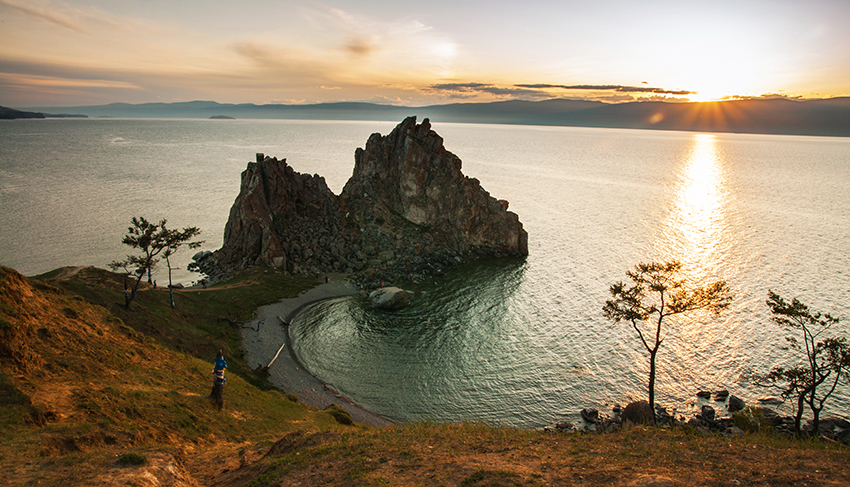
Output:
(133, 459)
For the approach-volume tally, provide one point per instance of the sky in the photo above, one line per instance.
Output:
(91, 52)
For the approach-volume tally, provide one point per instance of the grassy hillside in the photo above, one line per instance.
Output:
(94, 394)
(85, 381)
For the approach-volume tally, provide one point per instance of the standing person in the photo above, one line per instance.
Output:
(218, 380)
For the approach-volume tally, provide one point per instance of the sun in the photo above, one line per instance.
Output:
(717, 93)
(707, 95)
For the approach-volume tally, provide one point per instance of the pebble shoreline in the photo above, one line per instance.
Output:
(266, 343)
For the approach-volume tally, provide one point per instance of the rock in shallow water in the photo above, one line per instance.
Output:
(735, 404)
(390, 297)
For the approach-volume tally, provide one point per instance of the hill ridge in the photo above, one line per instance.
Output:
(780, 116)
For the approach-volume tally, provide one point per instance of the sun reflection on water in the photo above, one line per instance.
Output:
(696, 231)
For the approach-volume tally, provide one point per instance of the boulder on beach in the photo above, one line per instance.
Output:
(735, 404)
(638, 412)
(590, 415)
(390, 297)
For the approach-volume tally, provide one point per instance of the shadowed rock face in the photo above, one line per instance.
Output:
(279, 218)
(407, 211)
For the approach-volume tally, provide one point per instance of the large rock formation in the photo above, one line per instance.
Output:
(407, 211)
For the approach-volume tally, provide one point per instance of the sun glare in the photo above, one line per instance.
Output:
(695, 231)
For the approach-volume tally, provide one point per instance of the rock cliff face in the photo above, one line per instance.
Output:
(280, 219)
(407, 211)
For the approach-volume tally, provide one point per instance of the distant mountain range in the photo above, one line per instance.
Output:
(830, 117)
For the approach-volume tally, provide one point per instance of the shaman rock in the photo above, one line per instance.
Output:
(406, 212)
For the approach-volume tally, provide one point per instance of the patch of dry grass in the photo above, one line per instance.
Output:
(471, 454)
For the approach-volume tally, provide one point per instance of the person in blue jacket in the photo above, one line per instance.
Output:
(217, 394)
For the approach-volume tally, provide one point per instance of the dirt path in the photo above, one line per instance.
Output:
(68, 272)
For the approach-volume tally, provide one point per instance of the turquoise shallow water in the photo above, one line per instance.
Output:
(521, 342)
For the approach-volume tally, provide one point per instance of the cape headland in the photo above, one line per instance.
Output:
(406, 212)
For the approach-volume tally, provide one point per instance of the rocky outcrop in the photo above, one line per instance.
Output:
(406, 212)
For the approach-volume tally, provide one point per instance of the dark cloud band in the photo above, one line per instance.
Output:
(619, 88)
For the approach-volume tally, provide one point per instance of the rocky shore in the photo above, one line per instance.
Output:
(719, 412)
(406, 212)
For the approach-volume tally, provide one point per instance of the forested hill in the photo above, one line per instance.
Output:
(830, 117)
(11, 114)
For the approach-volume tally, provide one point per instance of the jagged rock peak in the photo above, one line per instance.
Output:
(408, 177)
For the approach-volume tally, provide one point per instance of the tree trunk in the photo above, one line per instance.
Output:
(652, 354)
(170, 288)
(799, 414)
(128, 298)
(816, 420)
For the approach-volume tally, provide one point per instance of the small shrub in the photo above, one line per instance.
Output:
(9, 310)
(340, 415)
(132, 459)
(49, 288)
(10, 395)
(751, 419)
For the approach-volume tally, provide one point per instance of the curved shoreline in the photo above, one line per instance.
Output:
(267, 344)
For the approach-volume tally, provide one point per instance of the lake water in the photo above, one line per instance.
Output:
(519, 342)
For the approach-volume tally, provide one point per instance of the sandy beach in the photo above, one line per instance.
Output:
(266, 343)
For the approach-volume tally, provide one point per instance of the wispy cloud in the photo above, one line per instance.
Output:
(48, 15)
(53, 81)
(86, 21)
(459, 86)
(359, 46)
